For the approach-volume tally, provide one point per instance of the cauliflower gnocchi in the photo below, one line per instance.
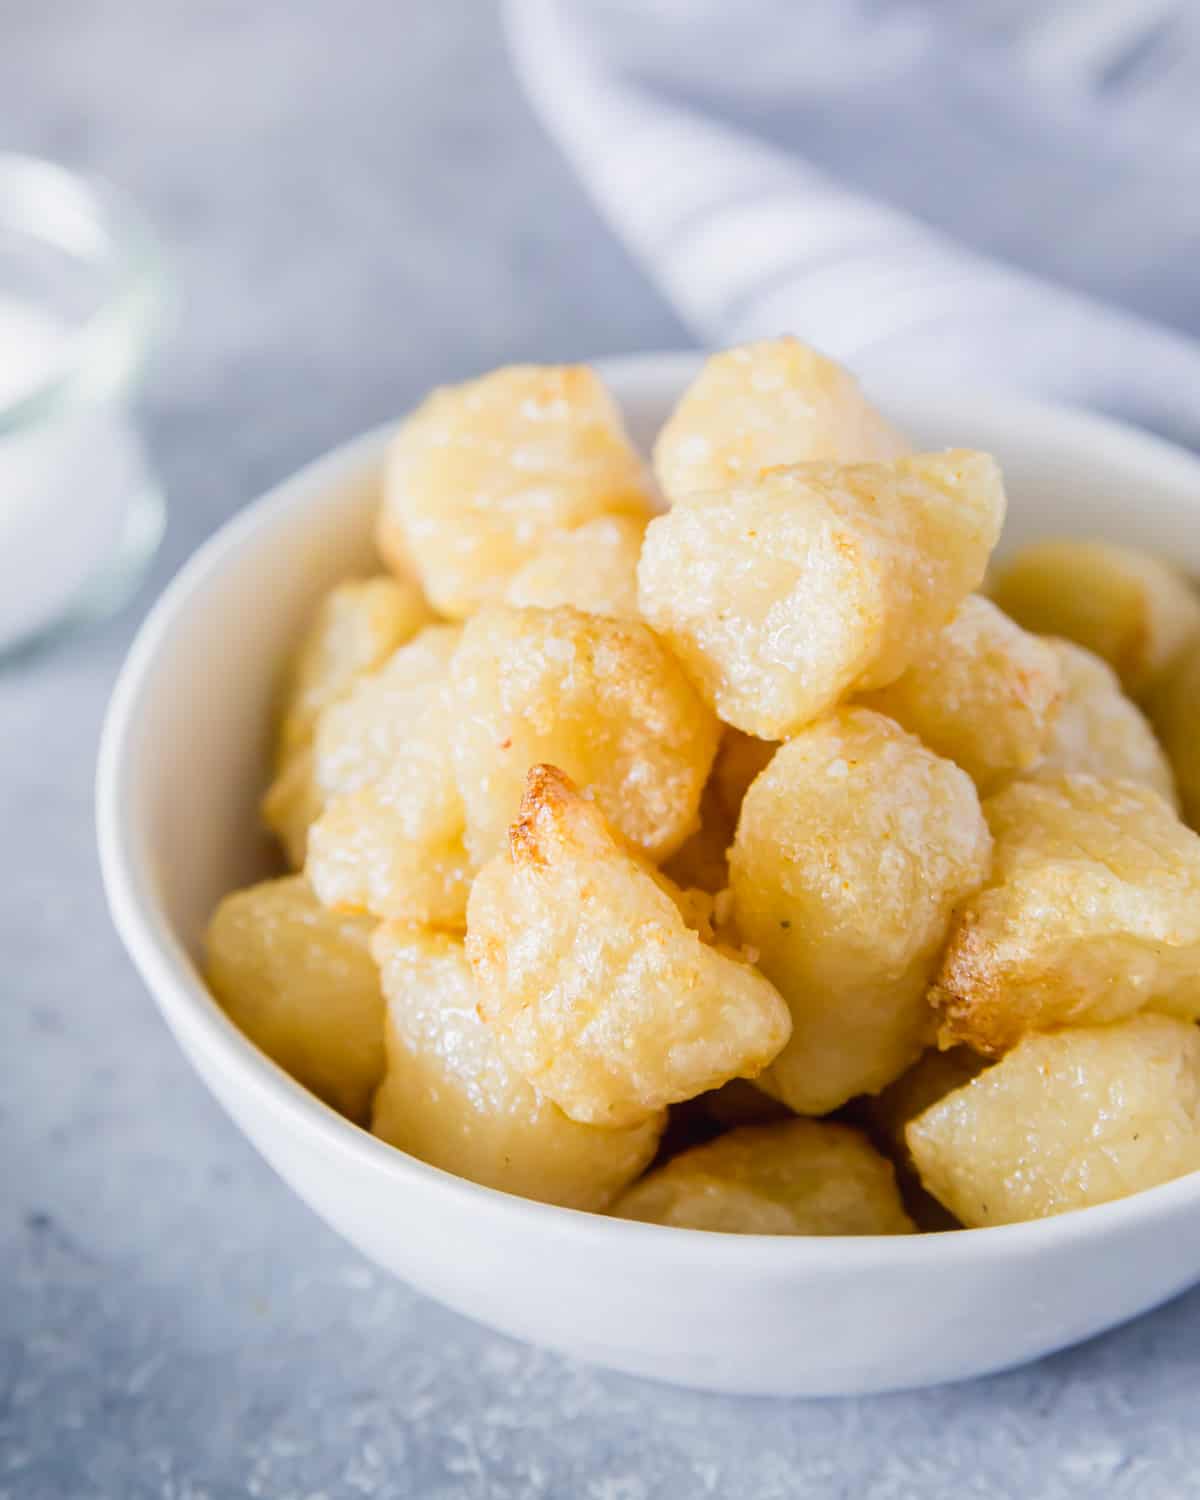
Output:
(593, 568)
(378, 756)
(984, 695)
(450, 1097)
(1131, 609)
(852, 849)
(796, 1177)
(1097, 729)
(630, 846)
(301, 983)
(396, 846)
(786, 594)
(1066, 1120)
(765, 404)
(361, 737)
(1091, 912)
(356, 628)
(485, 475)
(601, 699)
(595, 987)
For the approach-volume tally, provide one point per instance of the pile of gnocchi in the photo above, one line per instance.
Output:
(719, 844)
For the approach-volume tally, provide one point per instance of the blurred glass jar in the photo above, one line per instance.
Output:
(82, 297)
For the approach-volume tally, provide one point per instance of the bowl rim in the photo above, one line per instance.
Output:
(175, 985)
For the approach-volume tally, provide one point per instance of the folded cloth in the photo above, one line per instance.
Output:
(839, 169)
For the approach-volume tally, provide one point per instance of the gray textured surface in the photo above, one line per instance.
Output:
(358, 205)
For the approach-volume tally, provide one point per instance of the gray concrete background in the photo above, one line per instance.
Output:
(357, 204)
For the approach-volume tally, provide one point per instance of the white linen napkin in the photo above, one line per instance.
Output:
(822, 168)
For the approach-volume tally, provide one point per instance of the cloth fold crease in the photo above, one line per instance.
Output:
(746, 237)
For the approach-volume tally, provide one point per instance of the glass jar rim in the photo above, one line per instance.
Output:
(90, 220)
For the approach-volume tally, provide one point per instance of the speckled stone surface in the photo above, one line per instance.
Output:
(358, 204)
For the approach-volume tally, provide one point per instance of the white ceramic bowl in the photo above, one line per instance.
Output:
(182, 766)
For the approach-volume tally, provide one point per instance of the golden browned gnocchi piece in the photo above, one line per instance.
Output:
(1130, 608)
(483, 476)
(791, 591)
(357, 739)
(597, 990)
(983, 695)
(1091, 912)
(593, 568)
(764, 404)
(853, 847)
(1066, 1120)
(356, 628)
(1174, 709)
(360, 738)
(1097, 729)
(450, 1098)
(390, 836)
(602, 699)
(301, 983)
(795, 1177)
(395, 847)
